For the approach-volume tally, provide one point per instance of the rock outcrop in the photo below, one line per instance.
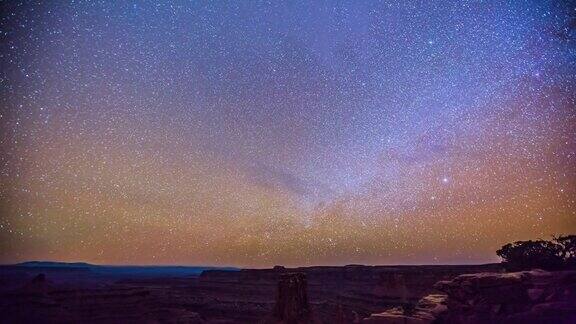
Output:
(336, 295)
(292, 305)
(427, 310)
(522, 297)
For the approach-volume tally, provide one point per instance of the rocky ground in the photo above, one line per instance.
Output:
(521, 297)
(332, 295)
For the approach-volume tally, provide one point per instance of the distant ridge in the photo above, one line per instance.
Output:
(117, 268)
(55, 264)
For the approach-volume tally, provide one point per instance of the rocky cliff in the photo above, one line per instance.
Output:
(522, 297)
(292, 306)
(335, 295)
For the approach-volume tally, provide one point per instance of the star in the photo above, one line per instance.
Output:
(155, 133)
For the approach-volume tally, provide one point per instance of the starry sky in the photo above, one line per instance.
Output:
(253, 133)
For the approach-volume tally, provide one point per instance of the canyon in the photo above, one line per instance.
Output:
(340, 294)
(84, 293)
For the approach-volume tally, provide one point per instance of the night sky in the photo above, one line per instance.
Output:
(254, 133)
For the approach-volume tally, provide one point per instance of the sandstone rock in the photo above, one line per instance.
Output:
(292, 300)
(425, 312)
(523, 297)
(335, 294)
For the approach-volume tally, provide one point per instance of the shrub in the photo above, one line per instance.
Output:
(557, 254)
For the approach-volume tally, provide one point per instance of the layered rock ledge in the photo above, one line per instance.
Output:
(521, 297)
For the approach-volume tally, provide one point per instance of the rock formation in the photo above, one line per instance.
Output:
(427, 310)
(335, 295)
(522, 297)
(292, 300)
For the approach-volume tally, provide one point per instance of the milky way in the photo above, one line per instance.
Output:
(255, 133)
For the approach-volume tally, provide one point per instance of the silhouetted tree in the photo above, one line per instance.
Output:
(557, 254)
(567, 246)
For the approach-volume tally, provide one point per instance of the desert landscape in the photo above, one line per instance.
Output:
(288, 162)
(64, 293)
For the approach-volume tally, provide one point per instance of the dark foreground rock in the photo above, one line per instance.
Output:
(41, 301)
(427, 310)
(292, 305)
(522, 297)
(336, 295)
